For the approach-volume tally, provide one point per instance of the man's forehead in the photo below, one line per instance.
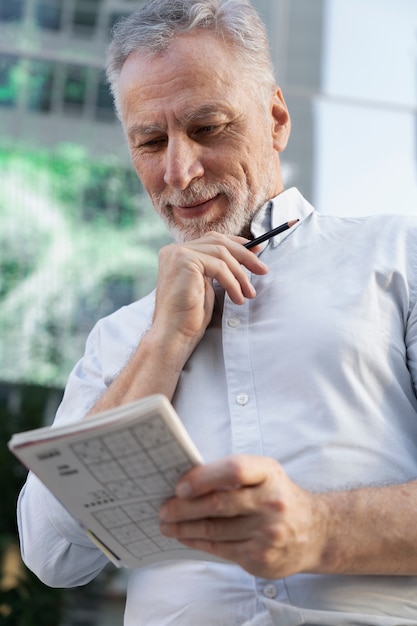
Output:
(203, 56)
(184, 88)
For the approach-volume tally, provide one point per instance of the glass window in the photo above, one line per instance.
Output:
(371, 50)
(10, 79)
(104, 100)
(11, 10)
(85, 16)
(304, 43)
(75, 87)
(48, 14)
(40, 85)
(365, 152)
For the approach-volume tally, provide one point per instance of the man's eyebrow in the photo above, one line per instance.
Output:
(204, 111)
(144, 129)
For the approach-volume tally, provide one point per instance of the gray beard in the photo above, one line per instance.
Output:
(236, 220)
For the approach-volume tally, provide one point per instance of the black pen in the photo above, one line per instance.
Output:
(270, 234)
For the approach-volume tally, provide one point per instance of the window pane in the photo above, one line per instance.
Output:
(104, 101)
(85, 16)
(11, 10)
(41, 78)
(75, 87)
(365, 132)
(381, 64)
(48, 14)
(10, 79)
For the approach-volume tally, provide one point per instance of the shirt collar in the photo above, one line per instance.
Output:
(288, 205)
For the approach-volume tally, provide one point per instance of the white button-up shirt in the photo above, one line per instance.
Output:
(317, 372)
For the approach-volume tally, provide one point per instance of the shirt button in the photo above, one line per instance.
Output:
(234, 322)
(242, 399)
(270, 591)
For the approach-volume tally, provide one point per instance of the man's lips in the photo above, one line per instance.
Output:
(195, 209)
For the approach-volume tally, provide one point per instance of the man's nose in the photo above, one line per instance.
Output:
(182, 162)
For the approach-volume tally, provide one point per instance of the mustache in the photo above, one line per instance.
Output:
(196, 193)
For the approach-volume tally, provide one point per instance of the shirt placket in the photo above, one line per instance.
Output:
(241, 395)
(243, 411)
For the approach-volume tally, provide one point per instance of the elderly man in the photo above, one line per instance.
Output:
(292, 364)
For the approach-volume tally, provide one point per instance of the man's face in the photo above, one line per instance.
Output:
(202, 144)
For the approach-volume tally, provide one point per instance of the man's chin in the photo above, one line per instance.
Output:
(233, 219)
(188, 232)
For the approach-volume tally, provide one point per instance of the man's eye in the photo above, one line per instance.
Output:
(207, 129)
(153, 143)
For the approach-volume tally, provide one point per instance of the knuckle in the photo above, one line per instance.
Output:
(169, 255)
(165, 251)
(217, 507)
(219, 251)
(215, 236)
(264, 556)
(223, 267)
(209, 530)
(274, 504)
(235, 467)
(274, 534)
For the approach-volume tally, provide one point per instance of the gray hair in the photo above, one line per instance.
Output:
(152, 27)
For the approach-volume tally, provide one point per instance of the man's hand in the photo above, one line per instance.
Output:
(183, 309)
(185, 295)
(245, 509)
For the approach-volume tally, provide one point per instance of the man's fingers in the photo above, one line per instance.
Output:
(212, 529)
(220, 504)
(215, 257)
(228, 473)
(228, 273)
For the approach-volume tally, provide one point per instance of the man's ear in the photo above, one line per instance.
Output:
(281, 122)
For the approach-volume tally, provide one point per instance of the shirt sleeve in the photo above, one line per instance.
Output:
(52, 543)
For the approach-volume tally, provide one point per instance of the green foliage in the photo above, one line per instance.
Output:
(78, 239)
(12, 77)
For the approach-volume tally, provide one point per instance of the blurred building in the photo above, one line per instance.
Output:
(52, 83)
(53, 88)
(295, 29)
